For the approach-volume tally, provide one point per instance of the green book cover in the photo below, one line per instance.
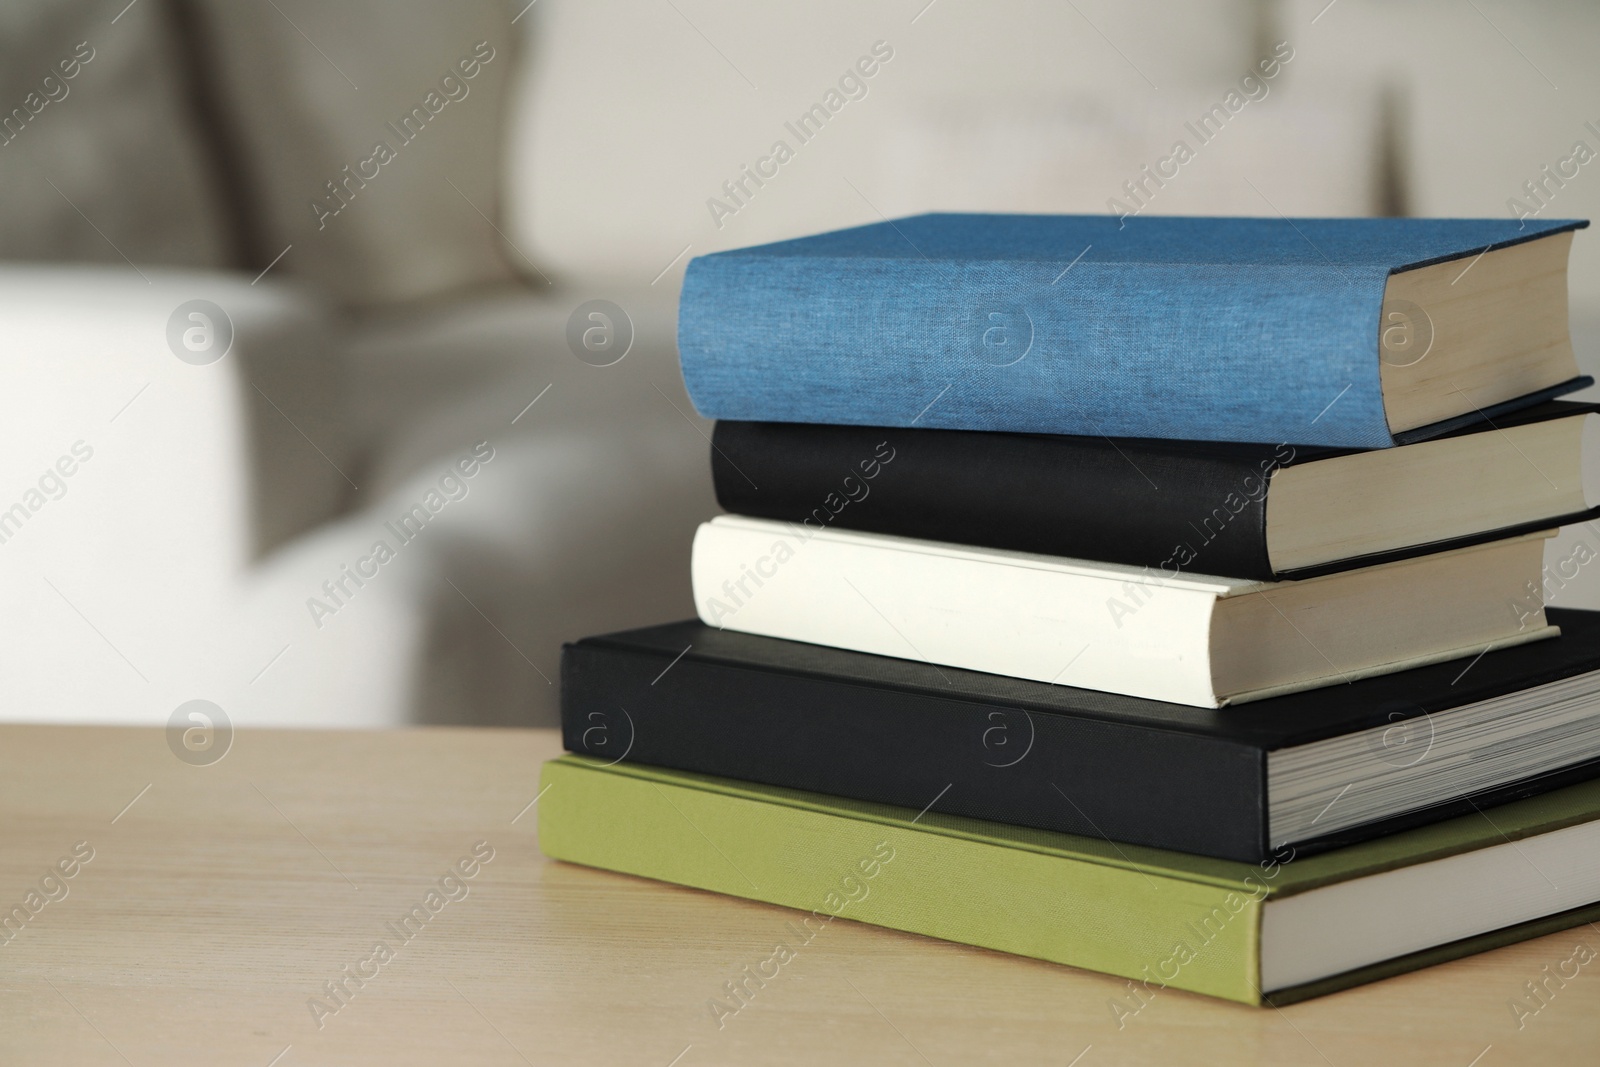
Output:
(1166, 919)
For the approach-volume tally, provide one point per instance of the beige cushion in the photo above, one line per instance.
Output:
(95, 107)
(316, 87)
(633, 116)
(620, 152)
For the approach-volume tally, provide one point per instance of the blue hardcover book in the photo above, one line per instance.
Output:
(1357, 333)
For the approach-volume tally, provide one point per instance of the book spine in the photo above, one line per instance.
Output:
(1155, 929)
(1144, 635)
(916, 747)
(1181, 351)
(1133, 502)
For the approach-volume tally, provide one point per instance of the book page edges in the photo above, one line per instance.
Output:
(1391, 667)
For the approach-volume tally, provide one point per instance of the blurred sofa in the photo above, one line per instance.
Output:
(387, 215)
(364, 325)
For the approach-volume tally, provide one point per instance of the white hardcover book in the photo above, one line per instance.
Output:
(1186, 638)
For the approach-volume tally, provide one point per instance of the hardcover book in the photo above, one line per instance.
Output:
(1284, 930)
(1264, 512)
(1195, 639)
(1349, 333)
(1314, 770)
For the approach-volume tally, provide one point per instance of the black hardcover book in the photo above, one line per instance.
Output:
(1264, 512)
(1309, 771)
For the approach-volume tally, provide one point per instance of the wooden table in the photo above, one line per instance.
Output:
(221, 899)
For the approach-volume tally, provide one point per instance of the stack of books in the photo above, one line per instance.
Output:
(1164, 599)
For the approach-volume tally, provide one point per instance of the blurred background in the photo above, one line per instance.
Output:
(294, 421)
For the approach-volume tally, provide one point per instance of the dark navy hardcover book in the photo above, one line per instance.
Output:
(1199, 780)
(1147, 503)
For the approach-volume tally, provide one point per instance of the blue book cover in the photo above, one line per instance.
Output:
(1220, 329)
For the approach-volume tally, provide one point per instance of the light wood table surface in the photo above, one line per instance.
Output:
(222, 898)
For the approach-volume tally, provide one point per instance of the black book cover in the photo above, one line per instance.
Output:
(1194, 506)
(892, 731)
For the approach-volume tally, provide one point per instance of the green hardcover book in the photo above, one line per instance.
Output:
(1275, 932)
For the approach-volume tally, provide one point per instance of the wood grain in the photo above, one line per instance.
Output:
(217, 906)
